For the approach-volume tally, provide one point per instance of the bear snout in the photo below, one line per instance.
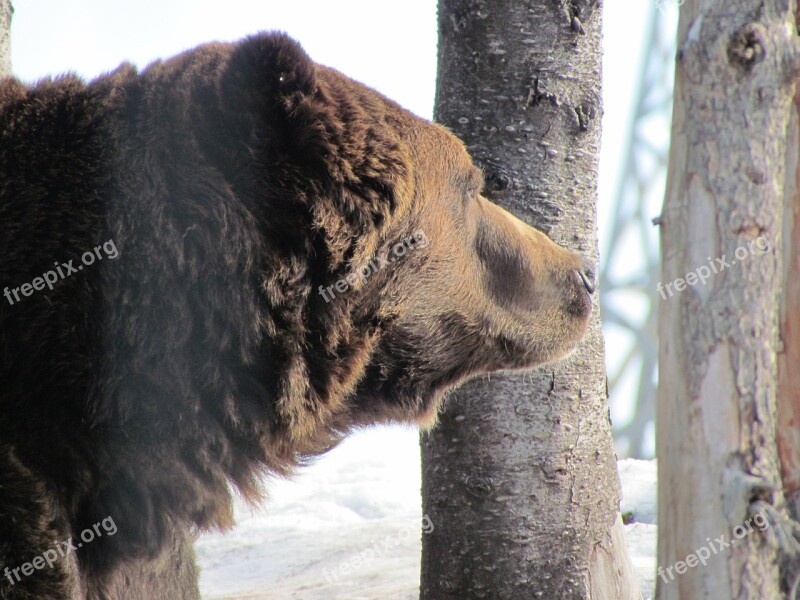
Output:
(579, 291)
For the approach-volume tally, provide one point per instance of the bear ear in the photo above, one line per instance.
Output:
(273, 65)
(270, 97)
(266, 73)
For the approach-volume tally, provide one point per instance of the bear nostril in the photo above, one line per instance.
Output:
(588, 276)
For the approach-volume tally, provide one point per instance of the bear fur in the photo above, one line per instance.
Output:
(234, 317)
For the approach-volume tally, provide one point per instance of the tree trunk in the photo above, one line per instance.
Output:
(727, 224)
(520, 475)
(5, 37)
(788, 434)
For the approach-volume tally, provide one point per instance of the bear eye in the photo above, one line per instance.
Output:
(471, 185)
(476, 182)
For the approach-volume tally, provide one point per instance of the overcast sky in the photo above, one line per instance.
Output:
(391, 46)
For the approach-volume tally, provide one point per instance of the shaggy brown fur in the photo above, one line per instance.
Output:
(238, 183)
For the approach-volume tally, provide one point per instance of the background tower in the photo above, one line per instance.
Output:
(629, 249)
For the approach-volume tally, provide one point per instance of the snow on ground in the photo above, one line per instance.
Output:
(639, 501)
(348, 528)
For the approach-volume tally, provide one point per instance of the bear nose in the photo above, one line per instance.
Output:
(588, 276)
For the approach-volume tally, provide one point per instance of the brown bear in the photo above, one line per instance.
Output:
(214, 269)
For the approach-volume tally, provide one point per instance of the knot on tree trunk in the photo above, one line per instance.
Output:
(747, 47)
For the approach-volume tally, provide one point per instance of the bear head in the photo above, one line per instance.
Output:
(415, 281)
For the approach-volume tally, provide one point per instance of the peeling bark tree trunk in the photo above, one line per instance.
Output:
(788, 409)
(520, 476)
(788, 435)
(732, 181)
(5, 37)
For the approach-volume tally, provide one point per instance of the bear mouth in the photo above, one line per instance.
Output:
(398, 387)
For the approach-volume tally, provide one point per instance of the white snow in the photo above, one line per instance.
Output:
(639, 499)
(348, 528)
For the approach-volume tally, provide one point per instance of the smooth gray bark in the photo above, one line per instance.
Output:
(520, 475)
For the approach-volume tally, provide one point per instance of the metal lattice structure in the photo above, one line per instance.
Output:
(630, 269)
